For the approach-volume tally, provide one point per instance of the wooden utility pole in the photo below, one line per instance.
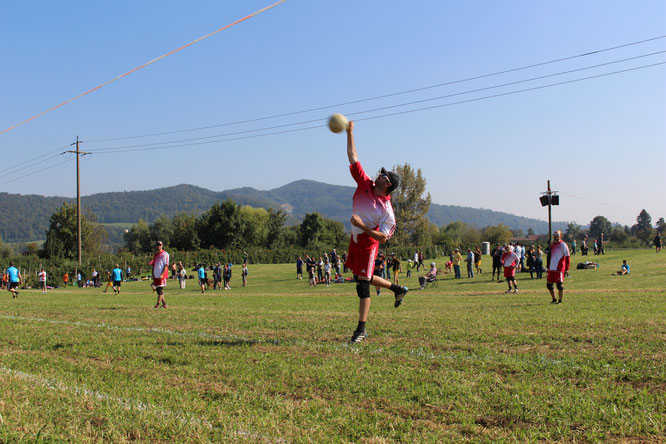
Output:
(78, 153)
(550, 198)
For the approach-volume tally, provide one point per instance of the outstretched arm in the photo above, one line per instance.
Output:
(376, 235)
(351, 148)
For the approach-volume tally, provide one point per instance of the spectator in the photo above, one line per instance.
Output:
(182, 275)
(395, 263)
(470, 263)
(244, 273)
(457, 258)
(429, 276)
(497, 261)
(624, 269)
(410, 265)
(299, 268)
(477, 260)
(42, 280)
(657, 243)
(327, 272)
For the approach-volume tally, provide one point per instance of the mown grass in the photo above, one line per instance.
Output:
(270, 362)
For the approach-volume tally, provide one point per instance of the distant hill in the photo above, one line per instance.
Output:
(24, 218)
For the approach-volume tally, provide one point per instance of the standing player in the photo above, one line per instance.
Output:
(117, 279)
(202, 277)
(558, 260)
(14, 280)
(372, 223)
(160, 265)
(42, 280)
(510, 261)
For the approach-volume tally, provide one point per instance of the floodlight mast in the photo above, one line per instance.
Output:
(549, 198)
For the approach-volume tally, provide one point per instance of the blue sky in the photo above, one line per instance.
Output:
(600, 142)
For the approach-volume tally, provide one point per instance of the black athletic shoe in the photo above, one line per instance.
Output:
(553, 301)
(399, 295)
(358, 336)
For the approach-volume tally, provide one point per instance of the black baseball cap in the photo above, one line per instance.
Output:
(393, 178)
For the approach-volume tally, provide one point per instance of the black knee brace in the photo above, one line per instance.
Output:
(363, 289)
(559, 286)
(160, 291)
(549, 286)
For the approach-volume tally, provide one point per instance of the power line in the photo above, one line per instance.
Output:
(36, 158)
(369, 110)
(453, 82)
(35, 172)
(145, 64)
(130, 149)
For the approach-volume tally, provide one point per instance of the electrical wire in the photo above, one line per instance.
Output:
(453, 82)
(138, 148)
(36, 158)
(597, 202)
(35, 172)
(145, 64)
(128, 147)
(18, 170)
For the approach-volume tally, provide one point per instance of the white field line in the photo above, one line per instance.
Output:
(115, 327)
(128, 403)
(125, 403)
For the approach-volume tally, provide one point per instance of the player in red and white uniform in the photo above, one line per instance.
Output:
(510, 261)
(160, 265)
(372, 223)
(557, 265)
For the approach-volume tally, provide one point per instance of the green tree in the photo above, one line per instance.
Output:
(5, 250)
(275, 228)
(619, 236)
(185, 236)
(572, 232)
(497, 234)
(311, 229)
(410, 205)
(61, 236)
(137, 239)
(254, 225)
(600, 225)
(220, 226)
(643, 229)
(161, 229)
(462, 234)
(661, 225)
(334, 234)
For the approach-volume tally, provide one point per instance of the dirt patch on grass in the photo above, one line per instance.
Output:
(502, 421)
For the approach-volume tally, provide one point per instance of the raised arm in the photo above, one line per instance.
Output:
(351, 148)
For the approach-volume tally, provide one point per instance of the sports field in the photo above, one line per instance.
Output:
(270, 362)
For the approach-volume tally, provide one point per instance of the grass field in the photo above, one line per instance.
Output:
(270, 362)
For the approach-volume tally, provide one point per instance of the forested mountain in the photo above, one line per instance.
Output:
(24, 218)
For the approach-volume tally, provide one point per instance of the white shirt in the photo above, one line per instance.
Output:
(42, 276)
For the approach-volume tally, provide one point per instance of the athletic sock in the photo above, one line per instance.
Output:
(361, 326)
(395, 288)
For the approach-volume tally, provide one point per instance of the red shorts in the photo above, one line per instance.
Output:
(554, 277)
(509, 272)
(362, 254)
(159, 282)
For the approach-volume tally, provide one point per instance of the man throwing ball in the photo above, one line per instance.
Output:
(372, 223)
(160, 265)
(557, 266)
